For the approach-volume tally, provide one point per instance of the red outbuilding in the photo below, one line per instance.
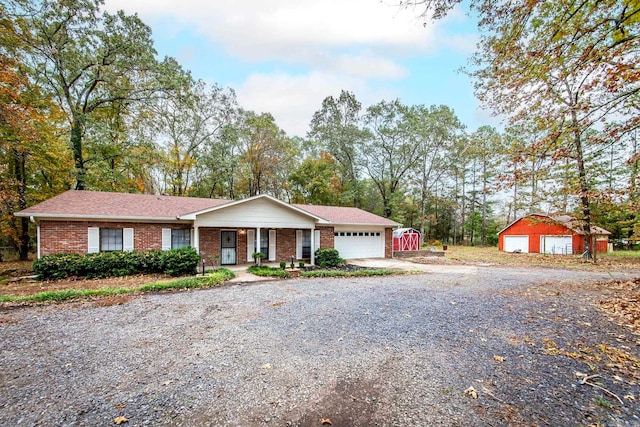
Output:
(539, 233)
(406, 239)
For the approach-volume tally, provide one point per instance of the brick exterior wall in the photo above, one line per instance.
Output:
(326, 237)
(72, 236)
(209, 241)
(388, 242)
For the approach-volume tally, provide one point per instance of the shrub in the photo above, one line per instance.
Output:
(176, 262)
(180, 262)
(59, 266)
(301, 264)
(283, 265)
(266, 271)
(328, 257)
(111, 264)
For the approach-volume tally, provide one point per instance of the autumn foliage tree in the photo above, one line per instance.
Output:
(89, 61)
(32, 157)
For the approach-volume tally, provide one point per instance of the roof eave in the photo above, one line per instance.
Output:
(96, 217)
(365, 224)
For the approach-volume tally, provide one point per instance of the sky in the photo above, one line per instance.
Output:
(285, 56)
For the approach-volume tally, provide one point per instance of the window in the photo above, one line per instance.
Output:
(306, 243)
(180, 238)
(110, 239)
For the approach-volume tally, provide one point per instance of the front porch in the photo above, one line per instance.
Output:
(236, 246)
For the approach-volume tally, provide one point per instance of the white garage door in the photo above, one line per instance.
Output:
(516, 244)
(359, 244)
(559, 245)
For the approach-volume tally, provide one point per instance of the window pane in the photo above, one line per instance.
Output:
(180, 238)
(110, 239)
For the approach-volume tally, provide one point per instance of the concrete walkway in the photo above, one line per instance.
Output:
(243, 276)
(404, 265)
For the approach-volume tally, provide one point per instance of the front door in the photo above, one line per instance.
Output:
(229, 247)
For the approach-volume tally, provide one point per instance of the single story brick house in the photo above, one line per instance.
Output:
(539, 233)
(224, 232)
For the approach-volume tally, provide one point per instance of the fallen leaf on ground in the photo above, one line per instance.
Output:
(266, 366)
(498, 358)
(120, 420)
(326, 421)
(472, 392)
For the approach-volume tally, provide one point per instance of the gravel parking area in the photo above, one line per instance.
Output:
(407, 350)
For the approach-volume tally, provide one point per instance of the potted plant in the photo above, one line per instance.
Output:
(257, 256)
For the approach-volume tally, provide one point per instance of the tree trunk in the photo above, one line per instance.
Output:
(76, 148)
(582, 181)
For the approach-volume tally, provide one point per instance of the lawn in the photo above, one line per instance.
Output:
(492, 256)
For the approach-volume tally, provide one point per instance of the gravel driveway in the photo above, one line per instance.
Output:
(383, 351)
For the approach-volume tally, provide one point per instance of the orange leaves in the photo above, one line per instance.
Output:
(120, 420)
(471, 392)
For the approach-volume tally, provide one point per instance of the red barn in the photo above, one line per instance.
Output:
(538, 233)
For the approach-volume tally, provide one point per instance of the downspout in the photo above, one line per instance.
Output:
(33, 220)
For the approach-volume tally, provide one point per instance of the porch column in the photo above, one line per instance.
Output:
(257, 245)
(196, 239)
(313, 245)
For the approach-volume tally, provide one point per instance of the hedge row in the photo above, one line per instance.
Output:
(176, 262)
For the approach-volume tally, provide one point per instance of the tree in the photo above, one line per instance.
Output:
(267, 155)
(570, 66)
(436, 130)
(337, 129)
(392, 150)
(315, 181)
(32, 162)
(188, 128)
(90, 61)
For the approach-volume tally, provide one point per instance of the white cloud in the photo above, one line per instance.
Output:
(288, 29)
(292, 99)
(331, 45)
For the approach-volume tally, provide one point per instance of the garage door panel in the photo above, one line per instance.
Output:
(359, 244)
(557, 245)
(516, 244)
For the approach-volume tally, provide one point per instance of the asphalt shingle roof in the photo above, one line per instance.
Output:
(96, 204)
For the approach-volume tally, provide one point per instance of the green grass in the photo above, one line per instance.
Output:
(621, 254)
(212, 279)
(266, 271)
(343, 273)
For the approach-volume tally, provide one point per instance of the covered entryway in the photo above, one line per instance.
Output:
(516, 244)
(556, 245)
(356, 243)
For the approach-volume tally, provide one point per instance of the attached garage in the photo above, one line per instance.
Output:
(516, 244)
(358, 243)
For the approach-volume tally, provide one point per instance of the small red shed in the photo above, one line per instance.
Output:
(406, 239)
(539, 233)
